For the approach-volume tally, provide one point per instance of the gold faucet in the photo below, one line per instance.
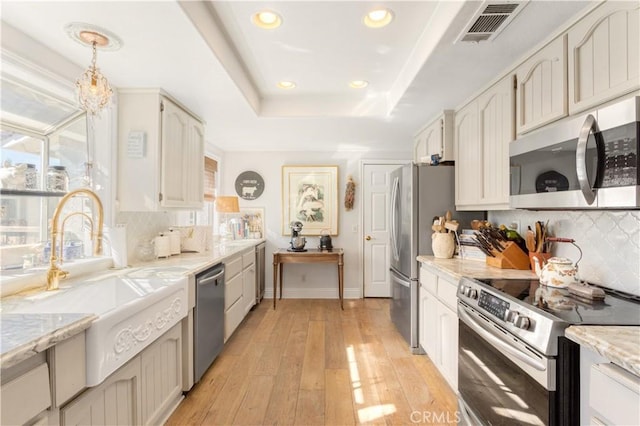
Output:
(55, 274)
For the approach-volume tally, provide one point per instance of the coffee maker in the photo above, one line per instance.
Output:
(297, 242)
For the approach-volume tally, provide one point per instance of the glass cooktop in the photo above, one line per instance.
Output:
(617, 308)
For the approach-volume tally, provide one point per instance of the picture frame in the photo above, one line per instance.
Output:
(310, 196)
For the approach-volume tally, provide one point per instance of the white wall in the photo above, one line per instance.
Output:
(306, 280)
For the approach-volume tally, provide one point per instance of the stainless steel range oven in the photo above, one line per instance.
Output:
(514, 364)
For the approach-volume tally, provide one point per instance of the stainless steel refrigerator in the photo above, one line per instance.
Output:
(418, 194)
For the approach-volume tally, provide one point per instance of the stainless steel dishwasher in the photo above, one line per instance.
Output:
(260, 262)
(208, 319)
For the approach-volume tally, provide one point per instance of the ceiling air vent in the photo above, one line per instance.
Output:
(490, 19)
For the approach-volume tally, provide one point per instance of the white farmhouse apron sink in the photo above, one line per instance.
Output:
(133, 310)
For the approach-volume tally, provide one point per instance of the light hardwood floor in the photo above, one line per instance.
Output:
(309, 363)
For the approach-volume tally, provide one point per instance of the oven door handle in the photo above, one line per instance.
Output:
(499, 343)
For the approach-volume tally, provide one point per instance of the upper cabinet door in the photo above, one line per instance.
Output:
(174, 146)
(467, 152)
(541, 95)
(436, 138)
(495, 117)
(604, 55)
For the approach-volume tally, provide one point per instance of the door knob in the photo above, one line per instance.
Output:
(368, 238)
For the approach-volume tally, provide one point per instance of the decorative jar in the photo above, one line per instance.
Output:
(57, 179)
(443, 245)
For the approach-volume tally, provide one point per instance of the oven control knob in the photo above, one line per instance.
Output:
(509, 315)
(463, 290)
(473, 293)
(521, 321)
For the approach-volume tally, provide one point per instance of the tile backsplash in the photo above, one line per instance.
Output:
(141, 226)
(610, 242)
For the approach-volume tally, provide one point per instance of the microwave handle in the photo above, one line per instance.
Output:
(590, 126)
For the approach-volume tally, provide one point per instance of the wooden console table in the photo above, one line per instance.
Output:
(282, 256)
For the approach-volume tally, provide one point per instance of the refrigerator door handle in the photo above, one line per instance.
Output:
(394, 219)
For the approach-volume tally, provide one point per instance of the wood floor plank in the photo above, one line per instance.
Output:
(224, 408)
(254, 406)
(309, 362)
(362, 375)
(335, 353)
(284, 397)
(196, 404)
(313, 365)
(338, 405)
(276, 345)
(310, 407)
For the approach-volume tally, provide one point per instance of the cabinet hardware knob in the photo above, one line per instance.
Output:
(368, 238)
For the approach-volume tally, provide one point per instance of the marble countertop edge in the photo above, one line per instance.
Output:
(23, 351)
(619, 344)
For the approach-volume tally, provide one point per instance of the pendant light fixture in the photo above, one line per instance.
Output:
(94, 91)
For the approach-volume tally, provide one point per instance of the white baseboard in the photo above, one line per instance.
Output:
(314, 293)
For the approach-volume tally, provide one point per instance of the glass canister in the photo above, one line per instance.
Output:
(30, 176)
(57, 179)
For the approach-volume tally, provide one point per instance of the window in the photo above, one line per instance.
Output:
(40, 126)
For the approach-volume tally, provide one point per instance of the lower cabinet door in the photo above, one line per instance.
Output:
(232, 318)
(448, 337)
(428, 327)
(114, 402)
(249, 288)
(161, 376)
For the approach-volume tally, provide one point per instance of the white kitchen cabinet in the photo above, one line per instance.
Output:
(116, 401)
(497, 130)
(161, 153)
(467, 153)
(484, 129)
(143, 391)
(541, 95)
(447, 332)
(248, 280)
(161, 377)
(427, 328)
(28, 394)
(240, 289)
(604, 55)
(68, 372)
(614, 396)
(439, 323)
(435, 138)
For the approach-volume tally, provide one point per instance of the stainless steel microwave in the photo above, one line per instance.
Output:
(585, 162)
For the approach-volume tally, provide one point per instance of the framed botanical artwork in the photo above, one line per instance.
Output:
(310, 196)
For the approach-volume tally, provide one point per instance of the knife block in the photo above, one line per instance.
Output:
(512, 257)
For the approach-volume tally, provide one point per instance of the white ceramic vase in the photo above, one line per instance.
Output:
(443, 245)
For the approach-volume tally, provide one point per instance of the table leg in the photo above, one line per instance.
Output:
(281, 271)
(341, 282)
(275, 281)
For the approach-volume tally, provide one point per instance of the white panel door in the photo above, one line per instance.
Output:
(376, 198)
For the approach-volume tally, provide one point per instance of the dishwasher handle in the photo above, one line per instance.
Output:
(209, 280)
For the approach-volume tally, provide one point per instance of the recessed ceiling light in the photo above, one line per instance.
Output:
(358, 84)
(266, 19)
(378, 18)
(286, 84)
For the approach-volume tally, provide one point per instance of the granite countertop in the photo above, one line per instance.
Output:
(458, 268)
(24, 335)
(619, 344)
